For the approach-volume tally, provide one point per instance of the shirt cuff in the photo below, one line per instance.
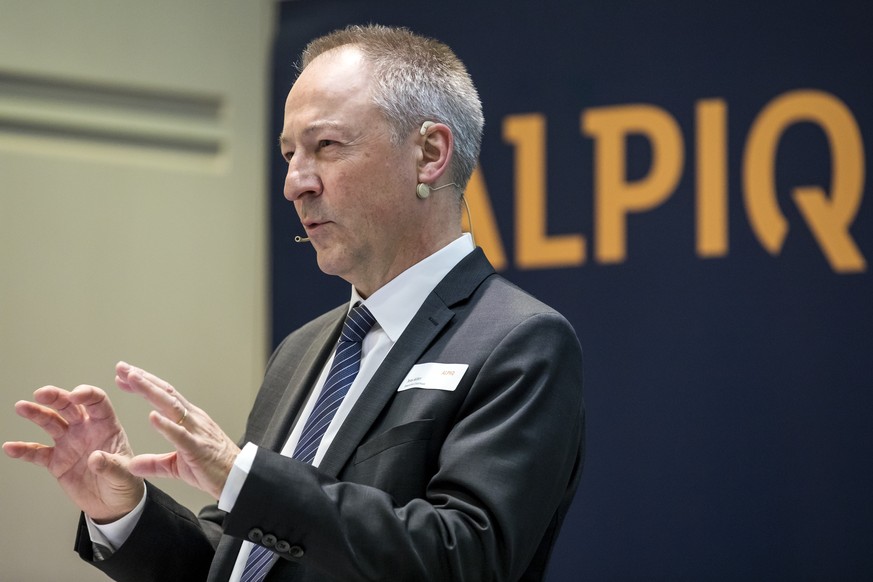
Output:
(113, 535)
(237, 477)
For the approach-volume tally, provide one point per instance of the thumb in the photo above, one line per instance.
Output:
(164, 465)
(111, 467)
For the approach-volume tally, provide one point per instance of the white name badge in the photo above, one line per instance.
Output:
(434, 377)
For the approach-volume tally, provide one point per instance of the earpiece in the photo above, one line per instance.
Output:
(423, 190)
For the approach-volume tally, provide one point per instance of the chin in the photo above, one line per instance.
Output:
(330, 264)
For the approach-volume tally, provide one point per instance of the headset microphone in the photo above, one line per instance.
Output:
(301, 239)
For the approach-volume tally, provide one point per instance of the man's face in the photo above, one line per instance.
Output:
(353, 190)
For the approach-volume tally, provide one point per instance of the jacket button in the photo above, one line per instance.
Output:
(268, 541)
(296, 552)
(283, 547)
(255, 535)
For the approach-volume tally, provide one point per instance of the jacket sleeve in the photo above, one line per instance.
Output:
(168, 543)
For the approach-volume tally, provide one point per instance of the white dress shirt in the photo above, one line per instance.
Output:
(393, 306)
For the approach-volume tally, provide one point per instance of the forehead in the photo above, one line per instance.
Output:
(335, 83)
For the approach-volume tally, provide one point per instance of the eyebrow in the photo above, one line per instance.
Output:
(313, 127)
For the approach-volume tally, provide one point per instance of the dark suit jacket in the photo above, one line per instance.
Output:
(470, 484)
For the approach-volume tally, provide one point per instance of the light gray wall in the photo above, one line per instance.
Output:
(132, 226)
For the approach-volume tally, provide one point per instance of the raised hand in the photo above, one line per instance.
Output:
(91, 452)
(204, 454)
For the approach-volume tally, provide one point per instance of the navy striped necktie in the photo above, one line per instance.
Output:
(345, 366)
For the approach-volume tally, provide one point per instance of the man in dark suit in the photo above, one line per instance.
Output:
(453, 447)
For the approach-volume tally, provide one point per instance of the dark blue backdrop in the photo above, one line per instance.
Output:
(729, 396)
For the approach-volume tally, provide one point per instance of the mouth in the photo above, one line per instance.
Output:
(312, 226)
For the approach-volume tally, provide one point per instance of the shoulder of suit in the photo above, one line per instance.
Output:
(515, 299)
(306, 334)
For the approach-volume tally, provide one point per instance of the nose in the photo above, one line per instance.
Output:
(302, 179)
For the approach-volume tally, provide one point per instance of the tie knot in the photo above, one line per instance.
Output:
(358, 324)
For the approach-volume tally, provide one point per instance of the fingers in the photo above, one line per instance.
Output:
(122, 370)
(174, 432)
(32, 452)
(59, 400)
(44, 417)
(160, 393)
(124, 373)
(55, 410)
(92, 401)
(163, 465)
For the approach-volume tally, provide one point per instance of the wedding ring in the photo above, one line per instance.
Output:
(184, 416)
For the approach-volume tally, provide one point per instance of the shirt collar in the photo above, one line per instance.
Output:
(396, 303)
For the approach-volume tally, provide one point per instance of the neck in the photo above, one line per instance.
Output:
(368, 283)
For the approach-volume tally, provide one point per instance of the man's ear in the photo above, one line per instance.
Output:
(436, 144)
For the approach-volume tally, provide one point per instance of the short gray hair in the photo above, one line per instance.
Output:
(415, 79)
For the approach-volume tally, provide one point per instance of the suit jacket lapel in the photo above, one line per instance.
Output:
(298, 387)
(225, 559)
(433, 316)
